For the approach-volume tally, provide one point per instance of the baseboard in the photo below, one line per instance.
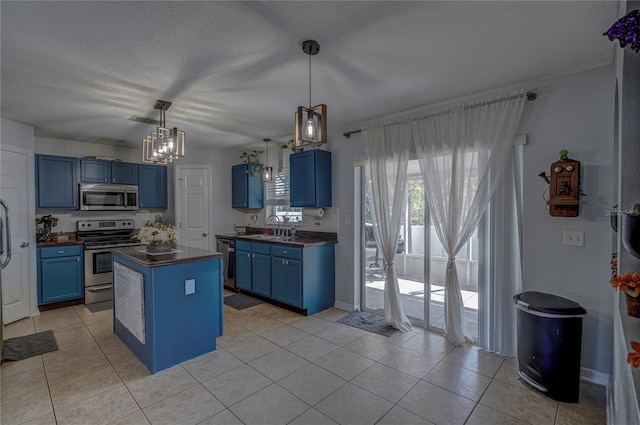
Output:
(344, 306)
(594, 377)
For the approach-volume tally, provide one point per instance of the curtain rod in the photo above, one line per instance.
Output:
(530, 96)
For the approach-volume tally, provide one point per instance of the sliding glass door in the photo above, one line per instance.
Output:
(421, 282)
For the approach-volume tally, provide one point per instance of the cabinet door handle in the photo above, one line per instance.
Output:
(60, 252)
(204, 234)
(24, 244)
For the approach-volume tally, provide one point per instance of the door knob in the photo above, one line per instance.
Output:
(204, 234)
(24, 244)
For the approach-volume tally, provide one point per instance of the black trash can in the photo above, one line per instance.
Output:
(549, 344)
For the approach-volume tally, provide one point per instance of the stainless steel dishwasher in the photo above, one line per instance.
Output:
(227, 246)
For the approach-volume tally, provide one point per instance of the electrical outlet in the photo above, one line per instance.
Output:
(347, 219)
(189, 286)
(573, 238)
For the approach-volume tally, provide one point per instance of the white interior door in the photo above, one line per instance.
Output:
(194, 209)
(15, 277)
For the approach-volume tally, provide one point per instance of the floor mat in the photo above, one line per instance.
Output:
(241, 301)
(101, 306)
(28, 346)
(368, 322)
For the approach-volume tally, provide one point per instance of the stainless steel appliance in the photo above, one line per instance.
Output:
(100, 237)
(108, 197)
(227, 246)
(4, 230)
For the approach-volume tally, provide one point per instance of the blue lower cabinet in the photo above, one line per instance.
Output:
(60, 273)
(302, 277)
(243, 270)
(261, 273)
(286, 281)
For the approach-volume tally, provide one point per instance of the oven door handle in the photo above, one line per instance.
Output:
(99, 288)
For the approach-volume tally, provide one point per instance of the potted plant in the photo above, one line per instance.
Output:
(630, 284)
(157, 238)
(631, 231)
(290, 145)
(251, 159)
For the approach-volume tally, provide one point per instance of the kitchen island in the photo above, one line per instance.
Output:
(167, 306)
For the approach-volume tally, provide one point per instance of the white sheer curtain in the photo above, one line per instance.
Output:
(462, 153)
(388, 157)
(501, 275)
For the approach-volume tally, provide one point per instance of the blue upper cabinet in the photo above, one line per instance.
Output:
(99, 171)
(152, 186)
(247, 191)
(124, 173)
(56, 182)
(310, 179)
(95, 171)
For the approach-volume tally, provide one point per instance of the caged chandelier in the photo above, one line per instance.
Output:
(165, 144)
(311, 122)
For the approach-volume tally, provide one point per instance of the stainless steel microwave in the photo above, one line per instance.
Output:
(108, 197)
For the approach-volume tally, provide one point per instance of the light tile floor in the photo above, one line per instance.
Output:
(273, 366)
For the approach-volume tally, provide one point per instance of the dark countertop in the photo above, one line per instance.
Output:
(182, 254)
(304, 238)
(45, 244)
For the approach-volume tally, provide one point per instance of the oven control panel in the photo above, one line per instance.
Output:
(92, 225)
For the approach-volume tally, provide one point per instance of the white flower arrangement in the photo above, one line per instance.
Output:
(157, 234)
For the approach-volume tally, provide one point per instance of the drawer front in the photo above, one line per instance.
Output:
(243, 245)
(286, 252)
(60, 251)
(261, 248)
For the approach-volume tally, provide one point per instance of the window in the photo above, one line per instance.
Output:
(277, 198)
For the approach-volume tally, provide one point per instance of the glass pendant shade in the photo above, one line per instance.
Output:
(266, 172)
(311, 125)
(626, 30)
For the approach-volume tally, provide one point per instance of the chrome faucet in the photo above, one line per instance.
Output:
(277, 218)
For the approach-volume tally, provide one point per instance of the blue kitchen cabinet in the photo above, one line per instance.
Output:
(56, 182)
(310, 179)
(152, 186)
(99, 171)
(261, 269)
(95, 171)
(286, 275)
(60, 272)
(247, 191)
(124, 173)
(243, 265)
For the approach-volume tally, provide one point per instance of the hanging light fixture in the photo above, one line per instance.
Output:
(311, 122)
(626, 30)
(165, 144)
(266, 172)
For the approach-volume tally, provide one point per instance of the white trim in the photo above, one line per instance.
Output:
(344, 306)
(594, 377)
(176, 199)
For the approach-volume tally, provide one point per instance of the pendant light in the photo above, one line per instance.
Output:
(266, 171)
(165, 144)
(311, 122)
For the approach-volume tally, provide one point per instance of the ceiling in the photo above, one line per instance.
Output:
(235, 71)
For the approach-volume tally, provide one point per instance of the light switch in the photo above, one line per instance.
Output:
(189, 286)
(573, 238)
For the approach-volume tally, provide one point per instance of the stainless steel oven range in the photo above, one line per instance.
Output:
(100, 237)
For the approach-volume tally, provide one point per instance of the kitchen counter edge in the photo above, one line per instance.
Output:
(299, 242)
(182, 254)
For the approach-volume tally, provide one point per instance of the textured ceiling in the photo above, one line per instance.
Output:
(235, 71)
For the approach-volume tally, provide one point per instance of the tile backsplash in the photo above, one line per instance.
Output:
(67, 219)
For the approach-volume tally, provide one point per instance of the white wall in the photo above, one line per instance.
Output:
(574, 112)
(16, 135)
